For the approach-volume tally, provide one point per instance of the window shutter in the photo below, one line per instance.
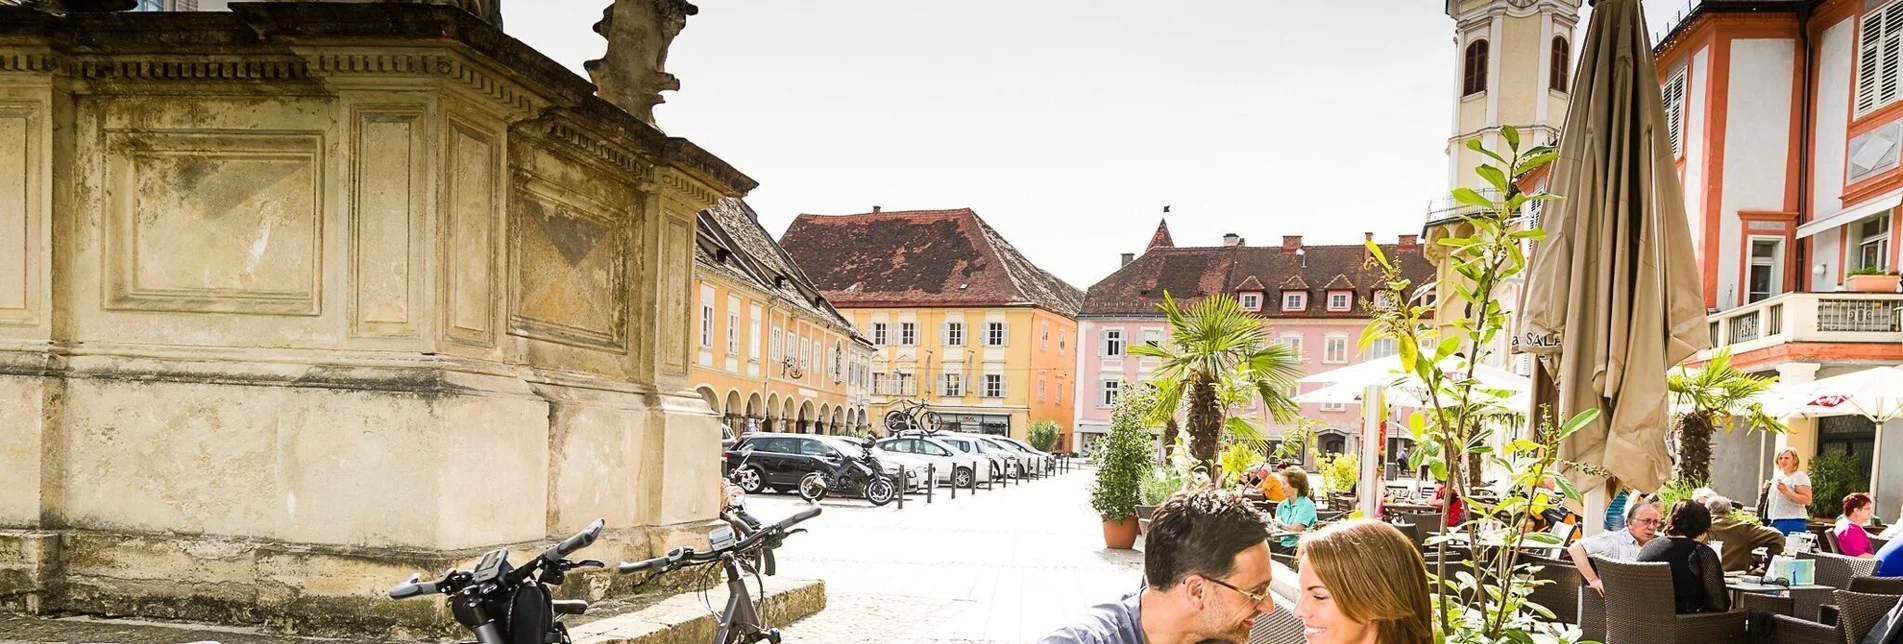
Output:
(1892, 54)
(1674, 95)
(1004, 385)
(1868, 60)
(1006, 327)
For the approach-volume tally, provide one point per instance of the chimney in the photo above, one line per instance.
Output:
(1409, 242)
(1231, 239)
(1127, 258)
(1291, 243)
(875, 210)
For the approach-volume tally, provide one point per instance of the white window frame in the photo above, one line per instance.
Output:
(706, 318)
(1383, 300)
(954, 334)
(1251, 301)
(1107, 390)
(1294, 300)
(997, 334)
(994, 386)
(779, 351)
(1341, 300)
(878, 383)
(878, 334)
(1334, 407)
(753, 334)
(951, 386)
(1294, 341)
(908, 334)
(1112, 344)
(908, 384)
(1044, 336)
(1880, 240)
(1381, 348)
(1879, 56)
(1335, 349)
(1673, 92)
(1153, 337)
(1775, 263)
(1040, 388)
(733, 325)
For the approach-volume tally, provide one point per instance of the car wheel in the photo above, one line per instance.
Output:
(961, 477)
(750, 479)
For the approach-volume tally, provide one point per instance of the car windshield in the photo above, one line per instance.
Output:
(995, 444)
(929, 448)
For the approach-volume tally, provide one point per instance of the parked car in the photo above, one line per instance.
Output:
(1021, 461)
(727, 439)
(950, 465)
(1003, 463)
(780, 460)
(1044, 459)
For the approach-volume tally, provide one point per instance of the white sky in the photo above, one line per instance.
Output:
(1067, 124)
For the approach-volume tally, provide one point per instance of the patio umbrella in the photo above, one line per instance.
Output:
(1613, 297)
(1876, 394)
(1387, 371)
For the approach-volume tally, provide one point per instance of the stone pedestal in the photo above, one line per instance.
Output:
(299, 299)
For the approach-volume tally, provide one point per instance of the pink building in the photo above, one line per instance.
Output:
(1313, 298)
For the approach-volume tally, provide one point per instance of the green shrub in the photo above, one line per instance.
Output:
(1042, 435)
(1121, 464)
(1158, 484)
(1833, 477)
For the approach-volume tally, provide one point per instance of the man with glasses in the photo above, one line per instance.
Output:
(1206, 577)
(1641, 524)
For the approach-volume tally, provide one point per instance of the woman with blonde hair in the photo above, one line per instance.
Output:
(1363, 582)
(1788, 495)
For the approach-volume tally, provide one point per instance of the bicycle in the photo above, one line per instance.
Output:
(911, 415)
(740, 622)
(502, 604)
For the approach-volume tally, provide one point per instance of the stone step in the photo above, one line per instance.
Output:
(685, 618)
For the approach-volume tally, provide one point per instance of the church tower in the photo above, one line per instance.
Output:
(1513, 63)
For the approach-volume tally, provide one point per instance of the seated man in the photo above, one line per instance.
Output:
(1641, 524)
(1205, 576)
(1740, 538)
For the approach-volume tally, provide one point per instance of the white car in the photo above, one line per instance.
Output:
(950, 465)
(1003, 463)
(1049, 463)
(851, 447)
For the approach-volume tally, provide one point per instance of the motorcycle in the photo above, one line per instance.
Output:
(502, 604)
(860, 475)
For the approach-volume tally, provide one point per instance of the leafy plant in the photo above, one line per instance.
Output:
(1714, 396)
(1042, 435)
(1216, 345)
(1158, 484)
(1339, 473)
(1488, 598)
(1833, 476)
(1236, 460)
(1122, 460)
(1296, 443)
(1869, 270)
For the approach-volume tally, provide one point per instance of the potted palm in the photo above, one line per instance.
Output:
(1121, 464)
(1218, 356)
(1716, 395)
(1871, 279)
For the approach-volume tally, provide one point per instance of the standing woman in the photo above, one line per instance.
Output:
(1789, 495)
(1363, 582)
(1295, 513)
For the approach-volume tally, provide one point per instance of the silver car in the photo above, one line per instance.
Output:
(1045, 459)
(950, 465)
(1003, 463)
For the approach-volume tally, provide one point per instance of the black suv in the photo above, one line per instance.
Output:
(778, 460)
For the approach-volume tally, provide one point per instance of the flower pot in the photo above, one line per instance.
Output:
(1120, 535)
(1143, 518)
(1872, 283)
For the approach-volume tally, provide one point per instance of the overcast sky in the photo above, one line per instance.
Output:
(1067, 124)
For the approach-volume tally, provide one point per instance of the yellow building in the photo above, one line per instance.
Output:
(770, 353)
(958, 318)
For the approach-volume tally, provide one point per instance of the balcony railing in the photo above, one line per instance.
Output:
(1449, 207)
(1810, 317)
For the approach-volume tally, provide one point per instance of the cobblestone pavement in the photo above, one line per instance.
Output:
(1006, 565)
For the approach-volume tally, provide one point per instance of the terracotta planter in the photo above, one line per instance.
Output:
(1120, 535)
(1873, 283)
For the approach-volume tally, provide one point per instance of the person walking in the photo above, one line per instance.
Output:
(1363, 582)
(1789, 495)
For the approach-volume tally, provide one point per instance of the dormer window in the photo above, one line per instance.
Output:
(1341, 300)
(1383, 300)
(1294, 300)
(1251, 301)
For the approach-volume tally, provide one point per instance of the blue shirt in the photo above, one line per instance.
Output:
(1298, 509)
(1118, 622)
(1615, 512)
(1890, 559)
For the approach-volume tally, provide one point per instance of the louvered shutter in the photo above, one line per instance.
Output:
(1674, 95)
(1869, 60)
(1892, 54)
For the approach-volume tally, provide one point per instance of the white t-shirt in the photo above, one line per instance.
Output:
(1617, 545)
(1782, 507)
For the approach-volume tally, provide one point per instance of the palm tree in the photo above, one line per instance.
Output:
(1712, 397)
(1215, 346)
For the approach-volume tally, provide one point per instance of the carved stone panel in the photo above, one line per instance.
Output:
(20, 220)
(386, 220)
(472, 231)
(214, 221)
(566, 254)
(677, 248)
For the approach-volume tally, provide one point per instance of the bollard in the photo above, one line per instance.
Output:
(974, 477)
(931, 481)
(902, 480)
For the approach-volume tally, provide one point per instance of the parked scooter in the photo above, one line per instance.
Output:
(860, 475)
(502, 604)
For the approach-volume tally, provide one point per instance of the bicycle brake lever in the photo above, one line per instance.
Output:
(587, 563)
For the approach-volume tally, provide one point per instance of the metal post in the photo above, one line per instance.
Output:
(974, 478)
(902, 481)
(931, 481)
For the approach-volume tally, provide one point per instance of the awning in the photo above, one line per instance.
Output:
(1851, 214)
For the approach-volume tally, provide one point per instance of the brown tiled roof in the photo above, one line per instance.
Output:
(1340, 283)
(1190, 274)
(732, 242)
(921, 258)
(1251, 284)
(1162, 237)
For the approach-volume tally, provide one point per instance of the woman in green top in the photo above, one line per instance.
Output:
(1297, 512)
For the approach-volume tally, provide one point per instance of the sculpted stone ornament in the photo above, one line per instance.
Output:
(632, 74)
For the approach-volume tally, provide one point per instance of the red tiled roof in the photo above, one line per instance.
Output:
(1251, 284)
(1162, 237)
(1340, 283)
(921, 258)
(1190, 274)
(751, 257)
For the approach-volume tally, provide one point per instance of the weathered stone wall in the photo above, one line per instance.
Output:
(298, 299)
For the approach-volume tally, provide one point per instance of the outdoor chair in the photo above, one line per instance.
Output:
(1639, 609)
(1860, 613)
(1592, 614)
(1830, 543)
(1561, 595)
(1834, 571)
(1877, 585)
(1410, 530)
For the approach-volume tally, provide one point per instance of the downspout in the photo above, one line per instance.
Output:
(1804, 146)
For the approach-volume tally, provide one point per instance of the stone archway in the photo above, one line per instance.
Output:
(807, 417)
(730, 412)
(772, 413)
(789, 418)
(839, 419)
(755, 412)
(819, 422)
(709, 396)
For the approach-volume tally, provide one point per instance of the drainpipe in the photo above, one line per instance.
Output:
(1804, 145)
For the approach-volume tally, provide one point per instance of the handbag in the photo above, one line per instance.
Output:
(1764, 502)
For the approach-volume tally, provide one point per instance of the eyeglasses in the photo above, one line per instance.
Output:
(1647, 521)
(1253, 597)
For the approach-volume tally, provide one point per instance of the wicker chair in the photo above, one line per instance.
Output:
(1637, 611)
(1561, 595)
(1860, 613)
(1410, 529)
(1592, 615)
(1834, 571)
(1830, 542)
(1877, 585)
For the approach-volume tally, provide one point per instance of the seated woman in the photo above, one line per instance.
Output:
(1362, 581)
(1295, 513)
(1852, 540)
(1698, 579)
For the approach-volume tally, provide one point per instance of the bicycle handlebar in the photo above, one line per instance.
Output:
(678, 555)
(568, 546)
(411, 588)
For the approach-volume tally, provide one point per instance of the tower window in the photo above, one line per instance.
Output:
(1562, 63)
(1475, 79)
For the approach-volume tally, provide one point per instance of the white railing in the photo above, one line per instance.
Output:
(1810, 317)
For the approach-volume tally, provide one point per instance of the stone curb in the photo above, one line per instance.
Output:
(684, 618)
